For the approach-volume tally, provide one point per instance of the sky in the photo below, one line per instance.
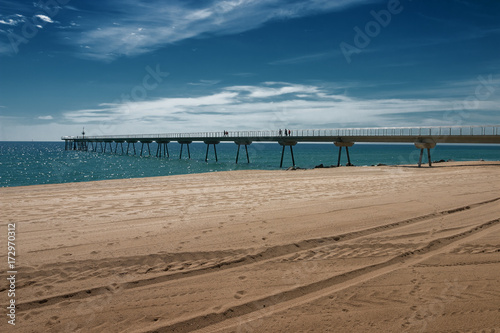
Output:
(174, 66)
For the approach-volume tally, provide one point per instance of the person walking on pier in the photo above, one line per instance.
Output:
(280, 132)
(286, 132)
(289, 133)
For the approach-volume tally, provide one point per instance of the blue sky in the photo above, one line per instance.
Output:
(132, 66)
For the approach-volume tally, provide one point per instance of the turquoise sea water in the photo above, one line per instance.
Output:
(30, 163)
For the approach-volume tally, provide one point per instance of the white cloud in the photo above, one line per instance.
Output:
(45, 18)
(204, 83)
(267, 91)
(12, 20)
(168, 22)
(8, 22)
(305, 58)
(267, 106)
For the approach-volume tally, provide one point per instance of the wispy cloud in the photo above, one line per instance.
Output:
(44, 18)
(272, 105)
(306, 58)
(12, 20)
(269, 91)
(19, 26)
(245, 75)
(49, 117)
(139, 26)
(204, 83)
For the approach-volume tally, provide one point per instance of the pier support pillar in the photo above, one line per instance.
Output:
(185, 142)
(422, 146)
(245, 143)
(162, 146)
(133, 144)
(346, 145)
(238, 153)
(290, 144)
(208, 143)
(215, 151)
(142, 146)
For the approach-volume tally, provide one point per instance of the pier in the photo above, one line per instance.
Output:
(424, 138)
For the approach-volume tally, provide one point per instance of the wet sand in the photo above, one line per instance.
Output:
(350, 249)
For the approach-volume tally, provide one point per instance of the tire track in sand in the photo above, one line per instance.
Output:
(232, 262)
(240, 314)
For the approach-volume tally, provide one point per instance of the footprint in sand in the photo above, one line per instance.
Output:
(53, 320)
(239, 294)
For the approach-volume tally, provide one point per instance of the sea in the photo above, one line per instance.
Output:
(34, 163)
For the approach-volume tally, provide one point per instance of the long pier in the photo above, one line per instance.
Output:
(422, 137)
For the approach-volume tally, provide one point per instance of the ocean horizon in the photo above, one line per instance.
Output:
(24, 163)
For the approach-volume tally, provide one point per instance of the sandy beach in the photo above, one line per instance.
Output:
(350, 249)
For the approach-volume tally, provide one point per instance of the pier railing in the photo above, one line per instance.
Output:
(339, 132)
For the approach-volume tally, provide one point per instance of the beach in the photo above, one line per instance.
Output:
(349, 249)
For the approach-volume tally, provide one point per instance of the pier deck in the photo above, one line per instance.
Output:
(422, 137)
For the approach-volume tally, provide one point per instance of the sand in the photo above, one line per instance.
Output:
(351, 249)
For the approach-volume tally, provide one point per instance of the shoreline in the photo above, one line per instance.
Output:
(435, 164)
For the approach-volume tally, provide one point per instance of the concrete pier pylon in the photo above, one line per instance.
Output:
(341, 144)
(285, 143)
(422, 146)
(208, 143)
(187, 143)
(239, 143)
